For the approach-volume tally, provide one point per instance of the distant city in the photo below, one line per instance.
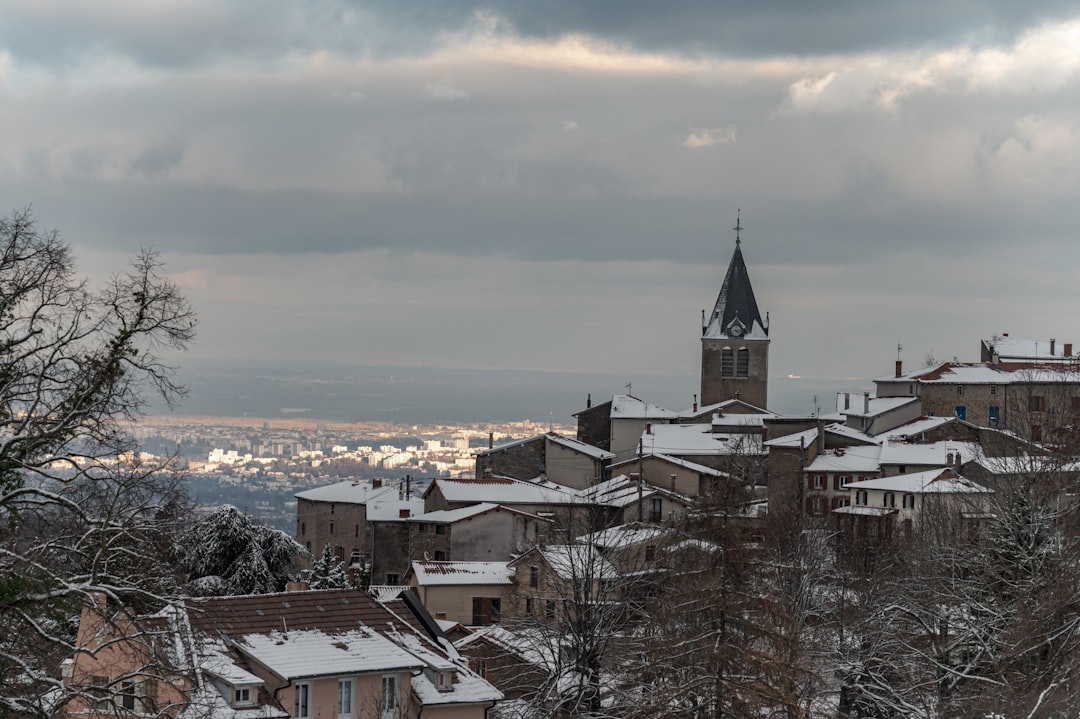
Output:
(253, 436)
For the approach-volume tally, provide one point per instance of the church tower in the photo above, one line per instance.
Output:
(735, 340)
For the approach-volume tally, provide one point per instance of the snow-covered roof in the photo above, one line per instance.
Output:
(1019, 348)
(986, 373)
(441, 574)
(899, 452)
(916, 427)
(347, 492)
(206, 702)
(625, 406)
(624, 535)
(502, 490)
(878, 405)
(698, 439)
(300, 654)
(857, 459)
(389, 507)
(449, 516)
(934, 481)
(621, 491)
(798, 439)
(678, 462)
(577, 561)
(709, 409)
(555, 438)
(529, 644)
(865, 511)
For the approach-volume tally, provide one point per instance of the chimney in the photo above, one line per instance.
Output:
(866, 402)
(588, 400)
(695, 400)
(847, 400)
(899, 368)
(404, 513)
(1004, 334)
(376, 483)
(821, 436)
(1053, 344)
(296, 587)
(1067, 347)
(491, 440)
(703, 325)
(648, 428)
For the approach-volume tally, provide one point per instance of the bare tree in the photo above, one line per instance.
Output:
(78, 510)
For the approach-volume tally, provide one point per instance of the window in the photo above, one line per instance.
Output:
(529, 606)
(1036, 433)
(650, 552)
(99, 686)
(817, 505)
(127, 694)
(909, 501)
(727, 362)
(959, 390)
(534, 576)
(357, 534)
(549, 609)
(817, 481)
(961, 412)
(440, 529)
(993, 390)
(345, 697)
(302, 705)
(339, 552)
(331, 508)
(860, 497)
(486, 610)
(391, 578)
(303, 529)
(838, 502)
(842, 480)
(308, 545)
(423, 528)
(1036, 403)
(481, 668)
(742, 367)
(331, 527)
(242, 696)
(656, 509)
(389, 696)
(889, 500)
(995, 415)
(440, 556)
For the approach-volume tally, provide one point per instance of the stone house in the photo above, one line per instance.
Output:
(551, 456)
(681, 476)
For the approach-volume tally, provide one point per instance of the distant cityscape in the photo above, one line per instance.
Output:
(258, 465)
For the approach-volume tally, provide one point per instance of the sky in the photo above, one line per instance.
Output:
(553, 185)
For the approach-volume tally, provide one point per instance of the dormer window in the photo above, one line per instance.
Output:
(444, 680)
(242, 696)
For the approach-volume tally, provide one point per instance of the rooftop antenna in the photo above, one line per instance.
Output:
(628, 389)
(738, 226)
(898, 348)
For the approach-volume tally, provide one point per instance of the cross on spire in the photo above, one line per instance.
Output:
(738, 226)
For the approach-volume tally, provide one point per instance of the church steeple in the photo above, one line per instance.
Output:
(735, 339)
(736, 307)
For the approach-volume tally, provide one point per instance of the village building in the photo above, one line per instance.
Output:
(681, 476)
(337, 516)
(550, 456)
(299, 655)
(470, 593)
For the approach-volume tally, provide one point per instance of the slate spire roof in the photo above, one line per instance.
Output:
(736, 301)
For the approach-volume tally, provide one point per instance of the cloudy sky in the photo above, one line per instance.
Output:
(552, 185)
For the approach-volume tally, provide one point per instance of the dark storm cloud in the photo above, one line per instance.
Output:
(184, 34)
(744, 27)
